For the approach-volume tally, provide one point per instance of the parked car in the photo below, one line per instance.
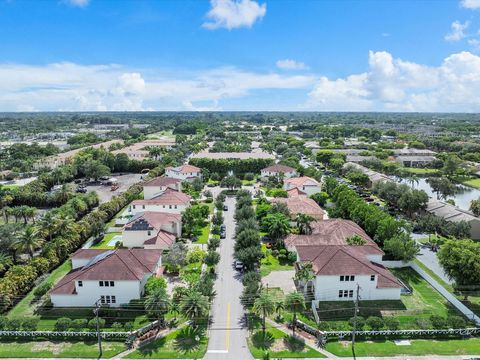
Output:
(238, 265)
(225, 208)
(222, 228)
(222, 235)
(81, 189)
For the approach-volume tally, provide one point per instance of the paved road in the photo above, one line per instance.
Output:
(227, 333)
(430, 260)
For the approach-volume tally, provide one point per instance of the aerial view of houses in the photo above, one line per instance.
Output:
(240, 179)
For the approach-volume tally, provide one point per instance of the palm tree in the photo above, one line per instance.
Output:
(6, 212)
(154, 152)
(264, 306)
(195, 306)
(278, 225)
(305, 274)
(158, 304)
(303, 224)
(295, 303)
(31, 213)
(5, 262)
(49, 223)
(68, 228)
(63, 194)
(279, 307)
(174, 309)
(28, 241)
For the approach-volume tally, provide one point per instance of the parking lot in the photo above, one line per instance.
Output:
(124, 181)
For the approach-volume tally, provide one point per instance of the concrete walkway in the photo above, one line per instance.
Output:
(447, 295)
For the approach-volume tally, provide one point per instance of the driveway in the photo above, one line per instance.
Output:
(227, 331)
(282, 279)
(125, 181)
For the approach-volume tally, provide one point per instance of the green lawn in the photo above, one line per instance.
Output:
(474, 182)
(106, 239)
(417, 347)
(203, 238)
(270, 263)
(43, 348)
(249, 182)
(279, 345)
(26, 307)
(180, 344)
(420, 171)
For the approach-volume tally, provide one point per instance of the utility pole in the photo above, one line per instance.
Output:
(357, 298)
(99, 337)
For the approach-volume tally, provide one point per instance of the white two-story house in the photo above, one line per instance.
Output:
(278, 170)
(338, 267)
(183, 172)
(169, 201)
(112, 277)
(152, 230)
(158, 185)
(303, 184)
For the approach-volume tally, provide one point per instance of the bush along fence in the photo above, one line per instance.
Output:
(20, 279)
(112, 335)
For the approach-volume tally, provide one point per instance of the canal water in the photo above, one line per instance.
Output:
(462, 199)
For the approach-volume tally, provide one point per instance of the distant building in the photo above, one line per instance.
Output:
(278, 170)
(152, 230)
(169, 201)
(455, 214)
(304, 184)
(373, 176)
(415, 161)
(183, 172)
(113, 277)
(301, 205)
(138, 151)
(233, 155)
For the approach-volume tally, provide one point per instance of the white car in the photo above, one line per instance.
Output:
(238, 265)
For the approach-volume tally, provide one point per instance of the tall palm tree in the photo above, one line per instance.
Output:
(303, 224)
(174, 309)
(158, 304)
(5, 262)
(49, 223)
(6, 212)
(154, 152)
(264, 306)
(28, 241)
(31, 212)
(294, 303)
(278, 225)
(305, 274)
(194, 306)
(279, 307)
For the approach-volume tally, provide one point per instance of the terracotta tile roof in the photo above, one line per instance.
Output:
(345, 260)
(164, 240)
(162, 181)
(168, 197)
(87, 253)
(332, 232)
(120, 264)
(185, 169)
(301, 205)
(279, 168)
(295, 192)
(152, 220)
(302, 181)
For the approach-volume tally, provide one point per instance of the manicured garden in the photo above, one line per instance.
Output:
(270, 262)
(279, 345)
(105, 243)
(185, 343)
(43, 348)
(416, 347)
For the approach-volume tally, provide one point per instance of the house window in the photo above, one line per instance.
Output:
(175, 206)
(169, 206)
(342, 278)
(149, 233)
(114, 300)
(106, 283)
(80, 283)
(143, 206)
(352, 277)
(340, 293)
(112, 283)
(100, 283)
(102, 299)
(372, 278)
(350, 293)
(134, 206)
(345, 293)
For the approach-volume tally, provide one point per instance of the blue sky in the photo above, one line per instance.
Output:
(240, 55)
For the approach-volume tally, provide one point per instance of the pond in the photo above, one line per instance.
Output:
(462, 199)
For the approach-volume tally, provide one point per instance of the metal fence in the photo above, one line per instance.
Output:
(60, 334)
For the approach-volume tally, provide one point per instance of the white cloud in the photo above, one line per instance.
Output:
(289, 64)
(470, 4)
(77, 3)
(457, 31)
(232, 14)
(396, 85)
(73, 87)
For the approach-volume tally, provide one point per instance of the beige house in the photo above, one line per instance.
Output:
(304, 184)
(158, 185)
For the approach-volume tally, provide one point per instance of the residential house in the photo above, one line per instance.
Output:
(158, 185)
(301, 205)
(169, 201)
(279, 170)
(112, 277)
(183, 172)
(305, 184)
(152, 230)
(415, 161)
(339, 267)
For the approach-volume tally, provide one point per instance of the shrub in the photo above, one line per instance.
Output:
(14, 324)
(251, 277)
(249, 176)
(92, 324)
(292, 256)
(213, 243)
(275, 253)
(324, 326)
(391, 323)
(128, 326)
(438, 322)
(283, 252)
(456, 322)
(195, 255)
(423, 323)
(154, 283)
(360, 322)
(42, 289)
(63, 324)
(3, 322)
(79, 324)
(30, 324)
(216, 230)
(117, 326)
(375, 322)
